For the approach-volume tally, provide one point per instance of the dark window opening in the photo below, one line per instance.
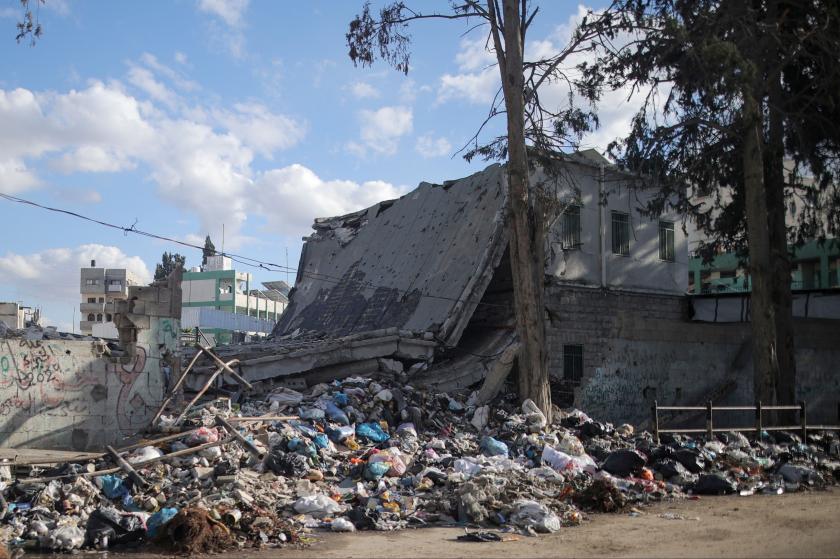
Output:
(573, 363)
(666, 241)
(621, 233)
(570, 228)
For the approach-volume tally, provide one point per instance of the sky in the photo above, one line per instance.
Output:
(192, 117)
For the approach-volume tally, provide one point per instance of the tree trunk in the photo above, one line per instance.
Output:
(763, 319)
(774, 178)
(526, 247)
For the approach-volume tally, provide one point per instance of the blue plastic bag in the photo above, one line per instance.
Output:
(338, 434)
(113, 486)
(493, 447)
(158, 520)
(341, 399)
(321, 440)
(372, 432)
(376, 470)
(335, 414)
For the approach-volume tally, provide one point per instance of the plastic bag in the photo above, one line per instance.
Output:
(159, 519)
(342, 525)
(311, 414)
(561, 461)
(112, 486)
(338, 434)
(480, 417)
(493, 447)
(372, 432)
(336, 415)
(467, 467)
(535, 418)
(285, 397)
(531, 514)
(64, 538)
(143, 454)
(375, 470)
(318, 505)
(202, 435)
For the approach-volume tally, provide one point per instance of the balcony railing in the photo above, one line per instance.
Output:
(92, 307)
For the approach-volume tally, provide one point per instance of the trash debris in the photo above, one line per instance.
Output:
(378, 454)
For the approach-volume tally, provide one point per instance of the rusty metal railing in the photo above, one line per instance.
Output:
(758, 427)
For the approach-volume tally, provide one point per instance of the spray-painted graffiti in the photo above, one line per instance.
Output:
(71, 394)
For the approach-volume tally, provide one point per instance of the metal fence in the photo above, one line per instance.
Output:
(758, 409)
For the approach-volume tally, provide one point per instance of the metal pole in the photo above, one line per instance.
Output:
(804, 420)
(709, 424)
(758, 425)
(249, 446)
(655, 413)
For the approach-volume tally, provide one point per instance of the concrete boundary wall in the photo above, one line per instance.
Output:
(638, 348)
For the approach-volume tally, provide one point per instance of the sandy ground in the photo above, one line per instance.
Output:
(798, 525)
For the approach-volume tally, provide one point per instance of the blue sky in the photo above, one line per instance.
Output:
(198, 113)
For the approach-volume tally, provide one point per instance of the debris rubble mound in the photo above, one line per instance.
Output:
(377, 454)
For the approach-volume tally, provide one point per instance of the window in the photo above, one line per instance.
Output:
(573, 363)
(621, 233)
(115, 282)
(99, 317)
(91, 282)
(666, 241)
(108, 317)
(570, 228)
(91, 299)
(91, 317)
(102, 299)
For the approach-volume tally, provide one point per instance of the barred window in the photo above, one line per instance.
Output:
(572, 363)
(666, 241)
(570, 227)
(621, 233)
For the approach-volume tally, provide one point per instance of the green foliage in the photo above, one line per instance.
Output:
(168, 262)
(209, 250)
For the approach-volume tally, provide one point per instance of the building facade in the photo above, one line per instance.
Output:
(225, 304)
(99, 288)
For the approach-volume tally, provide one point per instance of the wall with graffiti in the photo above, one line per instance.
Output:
(70, 394)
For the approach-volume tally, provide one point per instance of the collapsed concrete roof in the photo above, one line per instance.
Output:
(419, 263)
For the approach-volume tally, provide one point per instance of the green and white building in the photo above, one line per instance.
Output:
(226, 304)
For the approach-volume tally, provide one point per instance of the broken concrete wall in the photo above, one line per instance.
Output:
(638, 348)
(78, 393)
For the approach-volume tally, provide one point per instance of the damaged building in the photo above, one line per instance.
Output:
(66, 391)
(421, 286)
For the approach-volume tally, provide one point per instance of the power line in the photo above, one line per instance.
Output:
(240, 259)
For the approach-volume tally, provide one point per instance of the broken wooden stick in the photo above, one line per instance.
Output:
(248, 445)
(126, 467)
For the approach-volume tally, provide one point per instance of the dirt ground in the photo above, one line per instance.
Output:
(797, 525)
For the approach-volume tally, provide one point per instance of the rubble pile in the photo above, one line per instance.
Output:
(364, 454)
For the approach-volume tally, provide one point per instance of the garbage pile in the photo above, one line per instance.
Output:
(364, 454)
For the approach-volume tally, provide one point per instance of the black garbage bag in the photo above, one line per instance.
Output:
(106, 522)
(363, 518)
(623, 463)
(289, 464)
(714, 484)
(670, 468)
(691, 459)
(593, 429)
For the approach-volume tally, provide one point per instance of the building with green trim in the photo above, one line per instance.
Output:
(242, 310)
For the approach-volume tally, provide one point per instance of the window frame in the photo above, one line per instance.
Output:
(667, 250)
(620, 246)
(570, 239)
(573, 363)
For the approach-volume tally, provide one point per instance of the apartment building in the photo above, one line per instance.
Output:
(99, 288)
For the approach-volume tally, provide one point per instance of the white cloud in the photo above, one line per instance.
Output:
(429, 146)
(145, 80)
(363, 90)
(229, 11)
(298, 196)
(382, 129)
(181, 58)
(478, 79)
(256, 126)
(200, 160)
(53, 274)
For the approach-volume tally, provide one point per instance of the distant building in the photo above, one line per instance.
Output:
(99, 288)
(222, 302)
(17, 316)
